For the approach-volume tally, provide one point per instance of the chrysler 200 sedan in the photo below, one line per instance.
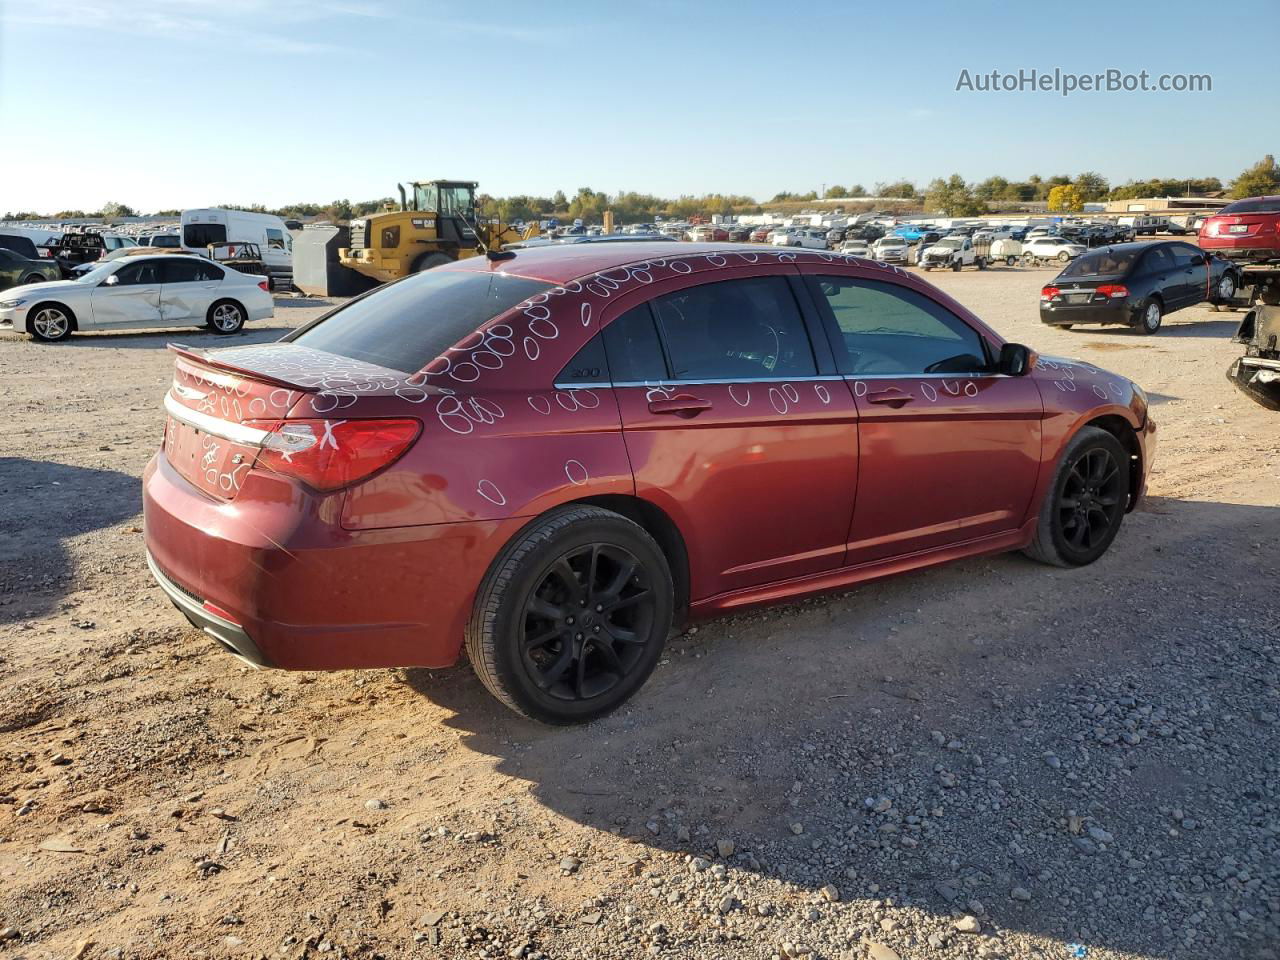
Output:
(550, 459)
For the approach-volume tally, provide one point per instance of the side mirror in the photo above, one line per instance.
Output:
(111, 281)
(1016, 360)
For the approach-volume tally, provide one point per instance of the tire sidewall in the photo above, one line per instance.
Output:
(1082, 443)
(506, 626)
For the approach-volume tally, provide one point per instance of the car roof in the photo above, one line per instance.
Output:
(561, 264)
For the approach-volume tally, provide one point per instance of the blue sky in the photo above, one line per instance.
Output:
(178, 103)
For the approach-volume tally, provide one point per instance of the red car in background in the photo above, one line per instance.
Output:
(1244, 230)
(552, 458)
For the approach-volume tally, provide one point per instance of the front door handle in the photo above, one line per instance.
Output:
(682, 406)
(890, 398)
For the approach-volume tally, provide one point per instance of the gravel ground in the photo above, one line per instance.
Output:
(993, 759)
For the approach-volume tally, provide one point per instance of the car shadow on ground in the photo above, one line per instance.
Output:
(1174, 326)
(799, 714)
(45, 506)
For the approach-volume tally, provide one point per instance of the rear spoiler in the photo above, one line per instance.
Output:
(182, 350)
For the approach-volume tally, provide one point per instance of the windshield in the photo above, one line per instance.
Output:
(1253, 205)
(952, 242)
(407, 324)
(100, 272)
(1102, 263)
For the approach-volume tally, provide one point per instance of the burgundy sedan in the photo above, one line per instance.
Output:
(551, 459)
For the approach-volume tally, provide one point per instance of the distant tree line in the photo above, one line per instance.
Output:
(953, 196)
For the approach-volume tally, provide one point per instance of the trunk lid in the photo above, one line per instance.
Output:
(221, 403)
(1239, 225)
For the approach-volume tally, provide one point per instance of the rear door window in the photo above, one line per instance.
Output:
(179, 271)
(1157, 259)
(634, 350)
(884, 329)
(407, 324)
(735, 330)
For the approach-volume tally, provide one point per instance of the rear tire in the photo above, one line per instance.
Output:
(1085, 503)
(429, 260)
(572, 616)
(225, 317)
(32, 278)
(1151, 317)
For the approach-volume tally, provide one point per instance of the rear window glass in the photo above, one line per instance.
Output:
(20, 245)
(1104, 263)
(1253, 205)
(407, 324)
(197, 235)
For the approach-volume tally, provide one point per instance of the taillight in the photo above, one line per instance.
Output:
(264, 286)
(332, 454)
(1049, 293)
(1116, 291)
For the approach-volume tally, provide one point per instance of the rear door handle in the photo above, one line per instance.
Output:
(682, 406)
(890, 398)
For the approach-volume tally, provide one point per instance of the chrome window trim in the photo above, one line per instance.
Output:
(215, 427)
(673, 382)
(922, 376)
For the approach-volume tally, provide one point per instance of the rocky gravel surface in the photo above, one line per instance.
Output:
(994, 759)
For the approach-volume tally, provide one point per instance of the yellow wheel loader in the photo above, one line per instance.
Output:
(434, 226)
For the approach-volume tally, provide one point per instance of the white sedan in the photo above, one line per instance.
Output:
(1051, 248)
(166, 291)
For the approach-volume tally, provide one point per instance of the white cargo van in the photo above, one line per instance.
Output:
(218, 225)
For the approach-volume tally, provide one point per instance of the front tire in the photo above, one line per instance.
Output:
(1085, 503)
(32, 278)
(225, 317)
(572, 616)
(50, 322)
(1063, 257)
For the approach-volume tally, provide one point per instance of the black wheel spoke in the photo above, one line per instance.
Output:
(566, 575)
(544, 608)
(541, 639)
(546, 678)
(628, 601)
(610, 657)
(626, 570)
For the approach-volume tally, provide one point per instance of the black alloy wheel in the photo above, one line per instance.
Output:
(587, 621)
(1086, 502)
(572, 616)
(1091, 500)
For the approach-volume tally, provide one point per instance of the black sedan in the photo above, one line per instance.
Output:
(1136, 285)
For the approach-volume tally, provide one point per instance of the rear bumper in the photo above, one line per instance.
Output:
(230, 635)
(1242, 248)
(294, 590)
(1108, 311)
